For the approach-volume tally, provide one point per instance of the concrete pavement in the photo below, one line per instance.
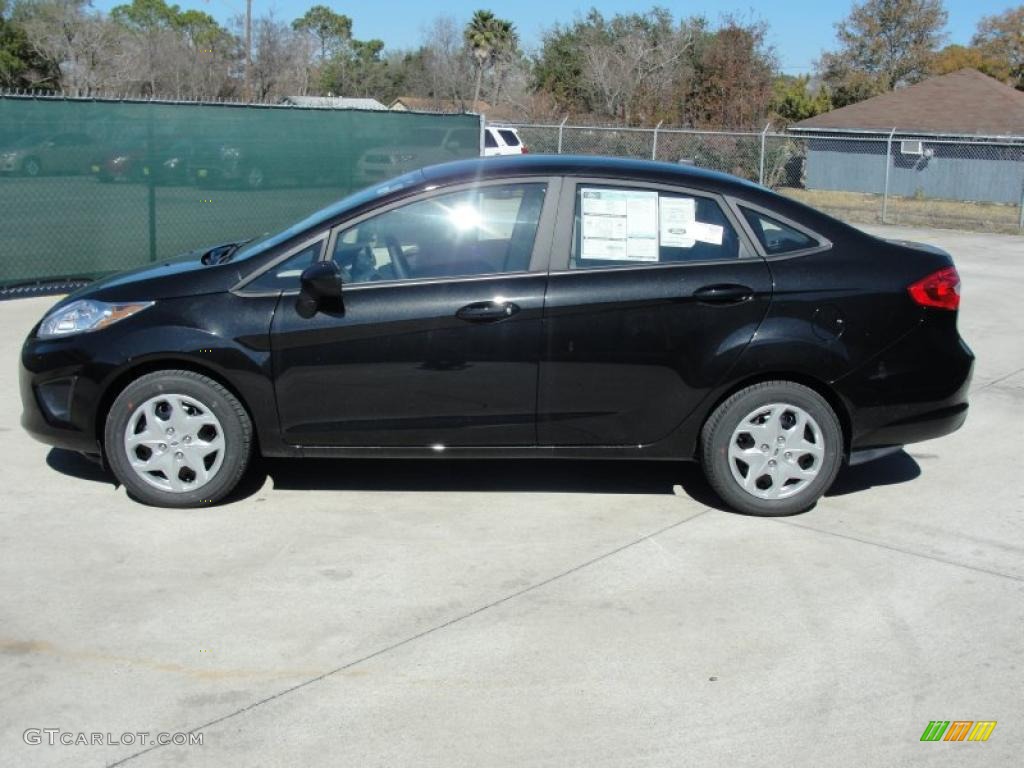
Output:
(522, 613)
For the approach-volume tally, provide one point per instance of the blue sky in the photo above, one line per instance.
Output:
(800, 31)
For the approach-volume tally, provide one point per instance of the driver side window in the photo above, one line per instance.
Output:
(487, 230)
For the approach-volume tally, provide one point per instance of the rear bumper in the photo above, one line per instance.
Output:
(915, 390)
(917, 428)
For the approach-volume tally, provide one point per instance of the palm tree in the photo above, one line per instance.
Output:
(481, 37)
(505, 50)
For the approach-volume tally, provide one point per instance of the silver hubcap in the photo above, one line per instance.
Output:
(174, 443)
(776, 451)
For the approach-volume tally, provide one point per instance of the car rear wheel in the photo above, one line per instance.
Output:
(772, 449)
(177, 439)
(32, 167)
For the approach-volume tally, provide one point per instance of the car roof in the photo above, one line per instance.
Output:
(582, 165)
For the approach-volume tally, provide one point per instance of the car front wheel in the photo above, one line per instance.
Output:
(772, 449)
(178, 439)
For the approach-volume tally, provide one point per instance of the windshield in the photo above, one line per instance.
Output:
(355, 200)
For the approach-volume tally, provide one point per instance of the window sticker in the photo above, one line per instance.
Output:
(678, 215)
(619, 224)
(707, 233)
(679, 225)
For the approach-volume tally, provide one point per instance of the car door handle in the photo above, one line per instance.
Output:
(487, 311)
(724, 293)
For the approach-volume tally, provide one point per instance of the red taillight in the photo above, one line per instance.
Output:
(940, 289)
(526, 150)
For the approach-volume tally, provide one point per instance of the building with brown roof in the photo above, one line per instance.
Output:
(481, 107)
(958, 136)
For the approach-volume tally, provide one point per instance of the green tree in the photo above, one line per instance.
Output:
(331, 30)
(13, 50)
(145, 15)
(558, 69)
(1000, 39)
(793, 99)
(883, 44)
(358, 69)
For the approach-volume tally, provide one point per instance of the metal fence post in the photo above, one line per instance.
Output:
(654, 141)
(888, 164)
(1020, 209)
(760, 175)
(151, 179)
(561, 126)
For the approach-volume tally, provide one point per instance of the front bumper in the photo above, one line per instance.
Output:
(50, 408)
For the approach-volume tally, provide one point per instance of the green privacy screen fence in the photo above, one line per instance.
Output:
(89, 187)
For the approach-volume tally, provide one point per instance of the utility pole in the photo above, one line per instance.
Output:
(248, 50)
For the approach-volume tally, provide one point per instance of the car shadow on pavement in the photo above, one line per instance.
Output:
(899, 467)
(490, 475)
(497, 476)
(76, 465)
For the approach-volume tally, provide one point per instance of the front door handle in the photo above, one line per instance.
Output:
(723, 293)
(487, 311)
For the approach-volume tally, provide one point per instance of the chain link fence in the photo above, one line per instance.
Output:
(92, 186)
(894, 178)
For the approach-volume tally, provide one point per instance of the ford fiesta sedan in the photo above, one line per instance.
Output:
(565, 307)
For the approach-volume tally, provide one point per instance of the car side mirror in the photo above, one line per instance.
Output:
(320, 288)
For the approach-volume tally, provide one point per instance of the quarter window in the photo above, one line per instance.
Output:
(482, 231)
(510, 137)
(616, 226)
(284, 276)
(776, 237)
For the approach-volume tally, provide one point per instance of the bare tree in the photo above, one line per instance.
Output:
(281, 59)
(69, 33)
(630, 58)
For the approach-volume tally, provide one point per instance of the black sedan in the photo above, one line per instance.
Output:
(565, 307)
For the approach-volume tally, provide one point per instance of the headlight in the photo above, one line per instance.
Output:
(86, 315)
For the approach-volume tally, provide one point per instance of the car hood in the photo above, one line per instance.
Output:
(183, 275)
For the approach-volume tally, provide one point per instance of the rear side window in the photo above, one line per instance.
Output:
(616, 226)
(776, 237)
(489, 141)
(509, 137)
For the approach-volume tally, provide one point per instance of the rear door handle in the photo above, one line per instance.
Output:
(723, 293)
(487, 311)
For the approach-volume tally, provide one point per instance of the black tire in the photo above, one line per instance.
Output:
(718, 433)
(233, 418)
(32, 167)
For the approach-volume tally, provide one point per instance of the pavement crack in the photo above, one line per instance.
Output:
(420, 635)
(1000, 380)
(892, 548)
